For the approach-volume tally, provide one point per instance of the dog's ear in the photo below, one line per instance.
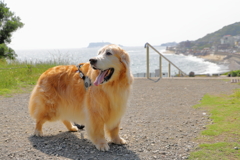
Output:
(125, 59)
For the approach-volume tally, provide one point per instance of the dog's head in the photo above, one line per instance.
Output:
(111, 62)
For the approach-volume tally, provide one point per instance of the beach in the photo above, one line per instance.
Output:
(230, 59)
(213, 57)
(168, 52)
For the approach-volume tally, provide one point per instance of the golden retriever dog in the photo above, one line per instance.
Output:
(61, 94)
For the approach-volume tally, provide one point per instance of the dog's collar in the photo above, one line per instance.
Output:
(87, 80)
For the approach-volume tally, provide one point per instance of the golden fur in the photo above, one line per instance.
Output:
(60, 95)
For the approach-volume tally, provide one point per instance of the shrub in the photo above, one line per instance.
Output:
(233, 73)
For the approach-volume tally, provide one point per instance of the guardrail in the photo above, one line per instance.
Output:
(147, 45)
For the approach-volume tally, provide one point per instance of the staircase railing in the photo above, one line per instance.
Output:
(147, 45)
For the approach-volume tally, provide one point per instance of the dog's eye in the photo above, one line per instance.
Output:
(108, 53)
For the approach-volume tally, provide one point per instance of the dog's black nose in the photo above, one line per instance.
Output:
(92, 61)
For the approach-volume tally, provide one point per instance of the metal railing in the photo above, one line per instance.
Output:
(147, 45)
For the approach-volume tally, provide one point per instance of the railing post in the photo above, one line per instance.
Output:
(147, 45)
(147, 49)
(169, 69)
(160, 66)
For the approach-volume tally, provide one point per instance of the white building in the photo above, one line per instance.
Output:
(231, 40)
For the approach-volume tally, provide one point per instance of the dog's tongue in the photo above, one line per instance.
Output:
(100, 78)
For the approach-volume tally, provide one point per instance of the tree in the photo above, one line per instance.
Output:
(9, 23)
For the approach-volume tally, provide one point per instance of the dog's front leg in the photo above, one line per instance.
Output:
(113, 132)
(95, 131)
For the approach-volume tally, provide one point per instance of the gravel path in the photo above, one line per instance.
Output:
(160, 123)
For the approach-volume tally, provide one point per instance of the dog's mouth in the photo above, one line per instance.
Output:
(104, 76)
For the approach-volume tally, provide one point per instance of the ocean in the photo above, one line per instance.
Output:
(137, 56)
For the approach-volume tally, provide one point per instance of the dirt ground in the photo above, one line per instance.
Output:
(160, 123)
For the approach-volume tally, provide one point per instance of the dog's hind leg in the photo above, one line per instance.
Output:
(38, 129)
(69, 126)
(113, 133)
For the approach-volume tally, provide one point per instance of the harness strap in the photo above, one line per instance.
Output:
(87, 80)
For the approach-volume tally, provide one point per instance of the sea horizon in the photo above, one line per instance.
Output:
(137, 55)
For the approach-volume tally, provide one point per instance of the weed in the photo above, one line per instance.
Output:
(222, 136)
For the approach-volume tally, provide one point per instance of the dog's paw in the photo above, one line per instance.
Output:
(74, 129)
(119, 141)
(102, 146)
(38, 133)
(123, 141)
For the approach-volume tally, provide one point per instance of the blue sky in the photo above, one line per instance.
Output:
(57, 24)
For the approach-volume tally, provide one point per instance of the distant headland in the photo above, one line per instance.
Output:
(97, 44)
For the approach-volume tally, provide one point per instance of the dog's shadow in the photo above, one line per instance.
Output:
(68, 145)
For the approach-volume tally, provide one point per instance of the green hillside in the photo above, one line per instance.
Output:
(211, 39)
(214, 38)
(233, 29)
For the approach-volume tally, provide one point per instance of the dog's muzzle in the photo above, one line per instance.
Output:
(93, 61)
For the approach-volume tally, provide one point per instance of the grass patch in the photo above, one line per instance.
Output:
(221, 137)
(216, 151)
(17, 76)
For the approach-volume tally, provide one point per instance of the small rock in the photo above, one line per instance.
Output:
(162, 152)
(155, 151)
(140, 150)
(236, 148)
